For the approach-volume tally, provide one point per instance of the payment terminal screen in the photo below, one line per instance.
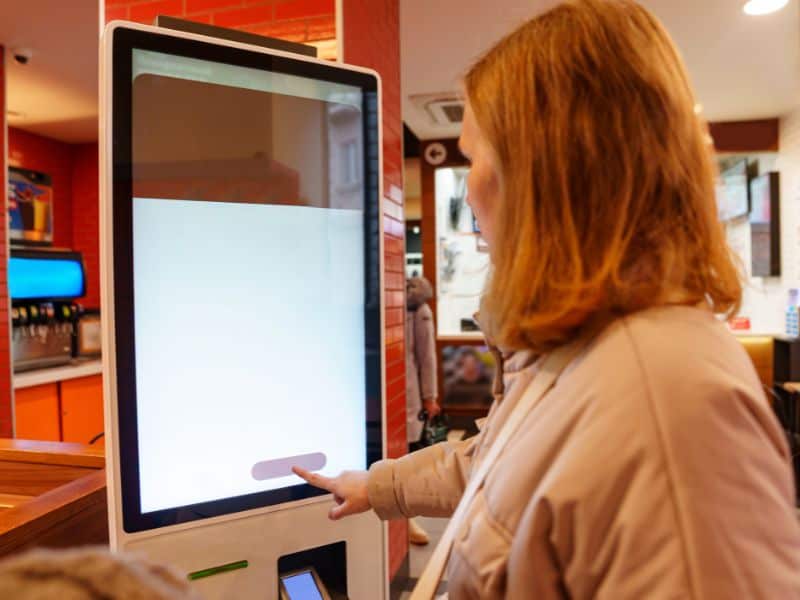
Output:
(248, 278)
(301, 587)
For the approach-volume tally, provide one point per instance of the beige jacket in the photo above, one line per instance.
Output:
(420, 367)
(653, 469)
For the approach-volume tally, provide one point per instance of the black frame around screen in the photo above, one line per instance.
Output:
(124, 42)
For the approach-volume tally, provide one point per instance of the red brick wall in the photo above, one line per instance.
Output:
(86, 216)
(74, 169)
(371, 38)
(6, 418)
(31, 151)
(293, 20)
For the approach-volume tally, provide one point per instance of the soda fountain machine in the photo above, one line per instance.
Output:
(44, 285)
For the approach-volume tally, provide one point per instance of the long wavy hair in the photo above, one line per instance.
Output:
(607, 176)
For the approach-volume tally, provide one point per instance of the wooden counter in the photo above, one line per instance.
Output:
(52, 494)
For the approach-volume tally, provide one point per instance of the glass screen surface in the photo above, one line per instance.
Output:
(250, 277)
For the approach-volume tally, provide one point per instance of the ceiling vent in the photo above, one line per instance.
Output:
(443, 109)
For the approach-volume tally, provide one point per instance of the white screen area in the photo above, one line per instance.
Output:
(249, 345)
(248, 233)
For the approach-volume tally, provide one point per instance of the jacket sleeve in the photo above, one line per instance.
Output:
(428, 482)
(425, 348)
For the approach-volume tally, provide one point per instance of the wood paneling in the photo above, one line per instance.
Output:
(12, 500)
(73, 514)
(52, 453)
(31, 479)
(746, 136)
(51, 494)
(761, 350)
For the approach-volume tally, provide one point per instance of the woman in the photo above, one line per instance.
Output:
(654, 468)
(420, 374)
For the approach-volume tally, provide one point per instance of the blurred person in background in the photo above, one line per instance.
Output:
(421, 382)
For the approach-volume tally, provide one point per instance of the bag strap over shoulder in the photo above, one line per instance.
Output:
(552, 365)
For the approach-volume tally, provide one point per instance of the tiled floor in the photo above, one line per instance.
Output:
(419, 555)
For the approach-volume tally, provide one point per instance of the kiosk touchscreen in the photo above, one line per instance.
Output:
(241, 246)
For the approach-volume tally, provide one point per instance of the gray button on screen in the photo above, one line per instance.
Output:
(282, 467)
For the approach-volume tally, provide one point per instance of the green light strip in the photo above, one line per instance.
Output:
(242, 564)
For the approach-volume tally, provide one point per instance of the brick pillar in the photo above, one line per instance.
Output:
(370, 37)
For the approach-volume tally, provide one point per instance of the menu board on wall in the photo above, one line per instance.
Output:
(30, 207)
(765, 226)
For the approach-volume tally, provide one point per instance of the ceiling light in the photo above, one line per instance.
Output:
(764, 7)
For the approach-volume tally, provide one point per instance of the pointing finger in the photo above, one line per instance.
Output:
(314, 479)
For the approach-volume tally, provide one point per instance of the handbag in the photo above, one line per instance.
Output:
(435, 429)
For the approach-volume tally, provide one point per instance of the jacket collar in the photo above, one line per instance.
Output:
(507, 362)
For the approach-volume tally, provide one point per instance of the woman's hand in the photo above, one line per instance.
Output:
(432, 407)
(349, 490)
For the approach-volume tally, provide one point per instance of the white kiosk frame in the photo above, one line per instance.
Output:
(256, 538)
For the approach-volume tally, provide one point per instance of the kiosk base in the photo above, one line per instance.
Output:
(243, 556)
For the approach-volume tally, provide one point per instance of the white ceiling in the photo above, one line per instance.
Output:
(56, 92)
(742, 67)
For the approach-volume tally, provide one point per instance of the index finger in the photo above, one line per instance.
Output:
(314, 479)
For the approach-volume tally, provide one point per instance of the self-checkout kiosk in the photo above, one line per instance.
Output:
(241, 248)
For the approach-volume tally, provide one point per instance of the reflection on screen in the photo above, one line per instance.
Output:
(248, 278)
(302, 587)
